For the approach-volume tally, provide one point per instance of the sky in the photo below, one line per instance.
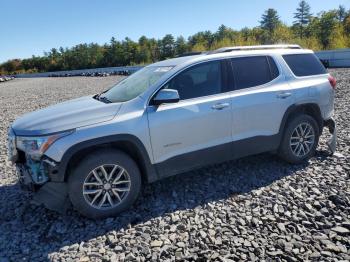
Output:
(30, 27)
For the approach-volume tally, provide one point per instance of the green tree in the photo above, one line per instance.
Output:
(327, 25)
(302, 17)
(180, 46)
(167, 46)
(154, 49)
(129, 49)
(326, 30)
(341, 14)
(282, 34)
(222, 32)
(269, 22)
(144, 53)
(347, 25)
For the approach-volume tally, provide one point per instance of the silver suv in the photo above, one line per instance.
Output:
(171, 117)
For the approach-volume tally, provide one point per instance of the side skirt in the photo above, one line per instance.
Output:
(217, 154)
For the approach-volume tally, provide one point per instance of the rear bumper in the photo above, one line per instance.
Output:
(332, 142)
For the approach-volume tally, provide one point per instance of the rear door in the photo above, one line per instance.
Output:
(197, 129)
(259, 101)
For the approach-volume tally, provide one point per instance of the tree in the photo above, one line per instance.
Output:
(12, 66)
(202, 39)
(222, 32)
(154, 49)
(129, 49)
(282, 34)
(270, 21)
(180, 46)
(326, 30)
(167, 46)
(144, 53)
(341, 14)
(303, 17)
(327, 25)
(347, 25)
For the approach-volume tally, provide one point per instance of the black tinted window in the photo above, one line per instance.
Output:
(304, 64)
(251, 71)
(273, 67)
(197, 81)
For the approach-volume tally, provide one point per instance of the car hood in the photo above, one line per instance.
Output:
(64, 116)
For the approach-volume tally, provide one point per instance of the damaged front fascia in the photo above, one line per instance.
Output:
(53, 195)
(37, 170)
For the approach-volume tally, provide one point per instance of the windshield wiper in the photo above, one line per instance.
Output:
(102, 98)
(105, 99)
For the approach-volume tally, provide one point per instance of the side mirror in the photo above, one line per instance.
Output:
(166, 96)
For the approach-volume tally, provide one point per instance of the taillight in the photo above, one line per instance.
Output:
(332, 81)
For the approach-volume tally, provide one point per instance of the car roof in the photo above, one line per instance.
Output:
(237, 51)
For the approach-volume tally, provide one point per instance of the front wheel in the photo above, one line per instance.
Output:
(300, 139)
(104, 184)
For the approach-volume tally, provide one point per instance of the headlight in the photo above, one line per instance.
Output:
(37, 145)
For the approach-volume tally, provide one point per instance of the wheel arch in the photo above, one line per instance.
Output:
(311, 109)
(129, 144)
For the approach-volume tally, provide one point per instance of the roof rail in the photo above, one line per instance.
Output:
(254, 47)
(191, 53)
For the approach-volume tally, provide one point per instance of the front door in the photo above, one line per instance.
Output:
(197, 129)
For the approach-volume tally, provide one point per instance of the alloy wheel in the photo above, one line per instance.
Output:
(106, 186)
(302, 139)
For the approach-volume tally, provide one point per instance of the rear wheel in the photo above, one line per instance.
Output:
(300, 139)
(104, 184)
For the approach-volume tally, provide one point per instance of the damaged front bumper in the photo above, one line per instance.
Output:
(332, 142)
(53, 195)
(39, 176)
(35, 176)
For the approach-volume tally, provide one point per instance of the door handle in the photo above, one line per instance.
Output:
(284, 95)
(220, 106)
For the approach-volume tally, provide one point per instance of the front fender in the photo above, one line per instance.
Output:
(59, 173)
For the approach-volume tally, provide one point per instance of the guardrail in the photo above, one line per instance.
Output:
(335, 58)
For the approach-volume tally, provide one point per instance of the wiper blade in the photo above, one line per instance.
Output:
(102, 99)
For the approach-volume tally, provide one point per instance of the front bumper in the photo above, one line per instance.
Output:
(24, 178)
(41, 177)
(332, 142)
(53, 195)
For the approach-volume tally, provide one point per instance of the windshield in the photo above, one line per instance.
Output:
(135, 84)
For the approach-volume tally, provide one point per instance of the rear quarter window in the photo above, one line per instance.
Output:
(304, 64)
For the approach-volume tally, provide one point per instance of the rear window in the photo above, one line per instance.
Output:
(304, 64)
(253, 71)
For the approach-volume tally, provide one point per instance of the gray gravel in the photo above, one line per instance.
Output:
(256, 208)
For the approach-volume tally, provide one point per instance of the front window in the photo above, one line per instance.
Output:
(198, 81)
(135, 84)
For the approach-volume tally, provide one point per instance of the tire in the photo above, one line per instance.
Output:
(88, 186)
(290, 147)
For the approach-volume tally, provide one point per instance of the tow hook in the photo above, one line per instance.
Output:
(332, 142)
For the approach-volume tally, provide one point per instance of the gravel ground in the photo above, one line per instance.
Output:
(256, 208)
